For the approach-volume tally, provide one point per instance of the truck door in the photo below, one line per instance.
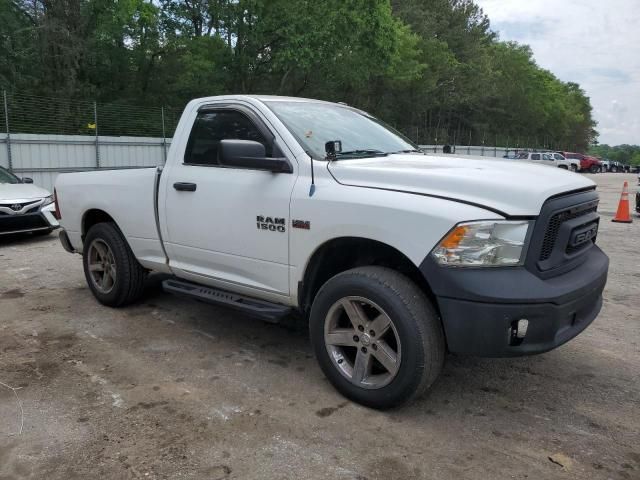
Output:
(227, 226)
(548, 159)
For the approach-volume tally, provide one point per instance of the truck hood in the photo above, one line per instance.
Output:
(507, 186)
(17, 192)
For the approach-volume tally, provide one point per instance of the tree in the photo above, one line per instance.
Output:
(432, 68)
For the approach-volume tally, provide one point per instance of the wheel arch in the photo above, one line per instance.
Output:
(344, 253)
(93, 216)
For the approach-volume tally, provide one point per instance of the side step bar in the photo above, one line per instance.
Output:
(270, 312)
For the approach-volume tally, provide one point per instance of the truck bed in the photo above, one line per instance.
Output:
(128, 196)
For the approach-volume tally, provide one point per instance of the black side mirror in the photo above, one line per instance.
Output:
(250, 154)
(27, 180)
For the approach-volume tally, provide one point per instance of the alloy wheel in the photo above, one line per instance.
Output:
(102, 266)
(362, 342)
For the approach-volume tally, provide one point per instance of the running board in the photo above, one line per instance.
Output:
(270, 312)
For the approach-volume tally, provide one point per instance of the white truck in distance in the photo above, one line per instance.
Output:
(552, 159)
(275, 205)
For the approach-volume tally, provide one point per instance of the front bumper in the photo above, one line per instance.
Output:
(40, 220)
(480, 307)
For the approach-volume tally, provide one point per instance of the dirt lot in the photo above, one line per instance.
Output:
(171, 388)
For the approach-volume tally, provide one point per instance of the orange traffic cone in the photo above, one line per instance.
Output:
(623, 215)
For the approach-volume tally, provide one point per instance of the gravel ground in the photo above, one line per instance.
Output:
(171, 388)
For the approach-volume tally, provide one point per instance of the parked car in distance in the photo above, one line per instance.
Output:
(394, 257)
(587, 163)
(615, 167)
(591, 164)
(24, 207)
(551, 159)
(611, 166)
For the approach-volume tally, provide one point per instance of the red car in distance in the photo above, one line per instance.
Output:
(587, 163)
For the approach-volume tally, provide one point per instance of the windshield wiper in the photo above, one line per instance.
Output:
(406, 151)
(361, 153)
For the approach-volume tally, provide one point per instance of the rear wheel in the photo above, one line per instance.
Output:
(574, 168)
(594, 169)
(112, 272)
(376, 336)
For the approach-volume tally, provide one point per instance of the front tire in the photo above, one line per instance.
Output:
(594, 169)
(112, 272)
(376, 336)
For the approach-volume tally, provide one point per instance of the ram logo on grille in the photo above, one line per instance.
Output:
(584, 235)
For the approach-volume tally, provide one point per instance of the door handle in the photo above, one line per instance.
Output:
(185, 186)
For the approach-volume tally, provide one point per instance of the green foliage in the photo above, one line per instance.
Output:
(432, 68)
(628, 154)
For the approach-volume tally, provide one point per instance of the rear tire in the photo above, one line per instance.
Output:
(112, 272)
(400, 361)
(594, 169)
(574, 168)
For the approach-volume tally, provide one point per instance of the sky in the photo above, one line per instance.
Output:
(595, 43)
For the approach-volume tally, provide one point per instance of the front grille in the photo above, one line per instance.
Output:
(18, 206)
(553, 227)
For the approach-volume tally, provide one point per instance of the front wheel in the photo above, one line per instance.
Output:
(376, 336)
(112, 272)
(594, 169)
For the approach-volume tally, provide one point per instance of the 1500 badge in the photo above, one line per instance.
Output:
(272, 224)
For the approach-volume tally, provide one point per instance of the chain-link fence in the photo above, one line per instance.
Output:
(45, 136)
(22, 113)
(41, 137)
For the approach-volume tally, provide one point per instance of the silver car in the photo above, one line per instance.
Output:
(24, 207)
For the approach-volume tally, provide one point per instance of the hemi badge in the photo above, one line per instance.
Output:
(303, 224)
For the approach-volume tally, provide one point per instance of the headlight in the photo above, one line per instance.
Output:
(483, 244)
(47, 201)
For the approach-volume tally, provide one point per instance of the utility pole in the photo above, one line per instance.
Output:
(6, 123)
(95, 122)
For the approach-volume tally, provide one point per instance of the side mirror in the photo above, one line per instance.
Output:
(27, 180)
(250, 154)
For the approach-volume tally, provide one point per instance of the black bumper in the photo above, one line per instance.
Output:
(28, 222)
(481, 306)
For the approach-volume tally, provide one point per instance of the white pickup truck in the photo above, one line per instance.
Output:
(275, 205)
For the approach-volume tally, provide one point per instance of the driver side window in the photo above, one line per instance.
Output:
(213, 126)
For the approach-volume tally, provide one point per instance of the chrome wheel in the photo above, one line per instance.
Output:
(362, 342)
(102, 266)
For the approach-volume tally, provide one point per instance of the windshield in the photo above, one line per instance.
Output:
(313, 124)
(6, 177)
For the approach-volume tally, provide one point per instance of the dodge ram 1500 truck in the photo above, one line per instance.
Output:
(274, 205)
